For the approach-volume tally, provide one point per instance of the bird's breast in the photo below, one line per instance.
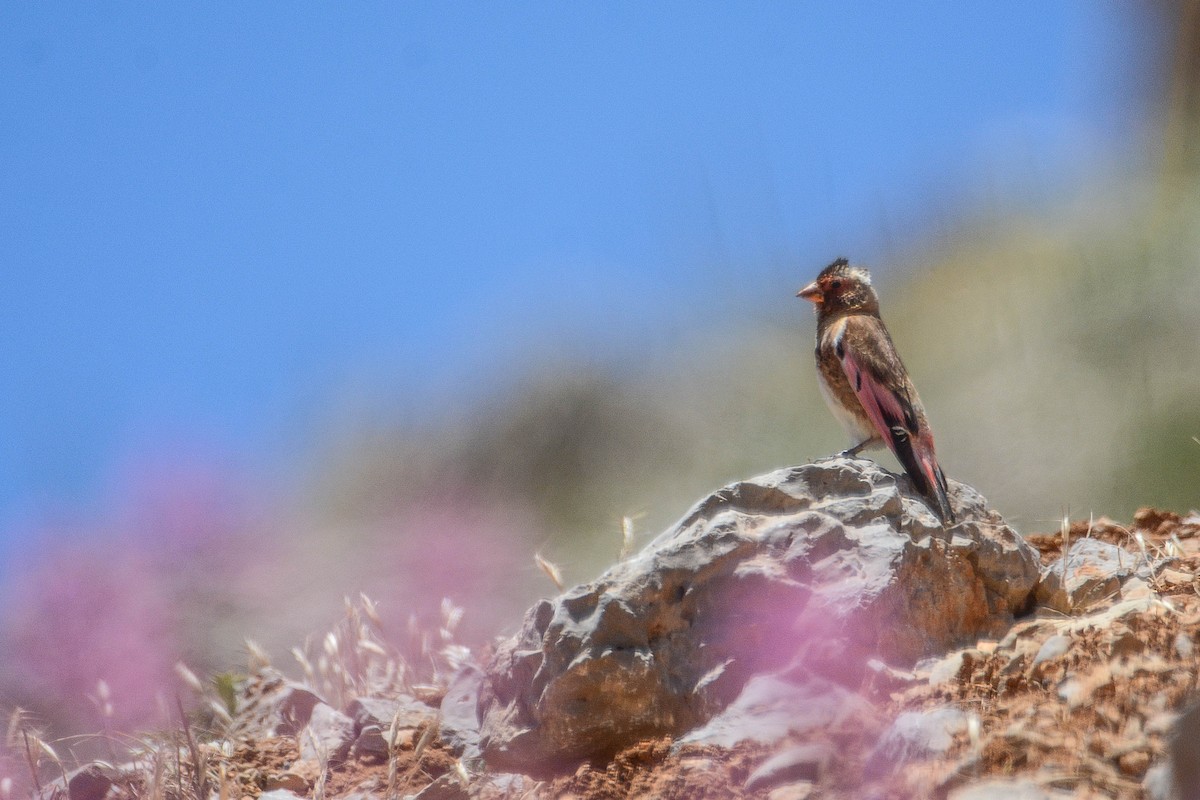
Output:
(835, 386)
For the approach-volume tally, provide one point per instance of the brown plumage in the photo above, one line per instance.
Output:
(865, 383)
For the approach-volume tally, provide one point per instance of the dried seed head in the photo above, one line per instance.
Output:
(551, 569)
(370, 610)
(451, 615)
(257, 658)
(626, 537)
(370, 647)
(189, 677)
(303, 661)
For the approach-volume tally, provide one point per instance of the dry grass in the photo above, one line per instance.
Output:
(211, 749)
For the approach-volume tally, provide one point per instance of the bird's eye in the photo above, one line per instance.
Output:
(835, 284)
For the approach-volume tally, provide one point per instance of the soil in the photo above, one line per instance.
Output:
(1091, 719)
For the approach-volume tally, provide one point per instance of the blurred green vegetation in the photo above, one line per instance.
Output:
(1056, 353)
(1056, 345)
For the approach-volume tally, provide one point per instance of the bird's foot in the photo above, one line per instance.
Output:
(852, 452)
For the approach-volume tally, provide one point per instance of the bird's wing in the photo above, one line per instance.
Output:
(878, 377)
(882, 385)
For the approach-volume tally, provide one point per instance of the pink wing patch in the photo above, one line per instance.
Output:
(887, 410)
(879, 403)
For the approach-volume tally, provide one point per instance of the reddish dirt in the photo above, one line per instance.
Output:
(648, 770)
(1130, 671)
(1129, 675)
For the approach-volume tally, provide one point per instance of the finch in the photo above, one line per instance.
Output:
(866, 385)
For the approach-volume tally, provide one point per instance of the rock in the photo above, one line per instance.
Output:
(881, 679)
(375, 717)
(502, 785)
(826, 565)
(1161, 723)
(301, 776)
(770, 708)
(370, 744)
(289, 781)
(1134, 763)
(328, 736)
(1184, 647)
(1124, 642)
(1001, 790)
(1136, 589)
(89, 783)
(1159, 783)
(916, 735)
(945, 669)
(275, 706)
(1052, 648)
(801, 763)
(1077, 690)
(1090, 571)
(406, 712)
(460, 714)
(447, 787)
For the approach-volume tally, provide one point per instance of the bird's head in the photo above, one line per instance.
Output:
(842, 288)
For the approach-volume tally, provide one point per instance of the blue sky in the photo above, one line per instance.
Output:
(222, 220)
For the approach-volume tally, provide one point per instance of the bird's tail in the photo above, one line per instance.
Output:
(920, 462)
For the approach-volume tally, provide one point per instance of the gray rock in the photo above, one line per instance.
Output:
(1159, 783)
(407, 712)
(1184, 646)
(89, 783)
(770, 708)
(460, 714)
(272, 705)
(945, 669)
(1090, 571)
(801, 763)
(447, 787)
(328, 735)
(502, 784)
(374, 717)
(818, 568)
(370, 744)
(290, 781)
(916, 735)
(280, 794)
(1057, 645)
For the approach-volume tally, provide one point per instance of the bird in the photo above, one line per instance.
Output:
(865, 384)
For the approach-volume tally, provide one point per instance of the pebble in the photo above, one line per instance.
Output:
(946, 669)
(1134, 764)
(1184, 646)
(1052, 648)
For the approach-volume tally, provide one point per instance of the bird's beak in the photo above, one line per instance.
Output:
(811, 293)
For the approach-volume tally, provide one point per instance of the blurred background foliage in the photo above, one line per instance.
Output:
(1055, 341)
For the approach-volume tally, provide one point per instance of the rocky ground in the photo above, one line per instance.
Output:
(812, 633)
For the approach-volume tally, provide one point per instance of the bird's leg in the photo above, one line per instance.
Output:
(854, 451)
